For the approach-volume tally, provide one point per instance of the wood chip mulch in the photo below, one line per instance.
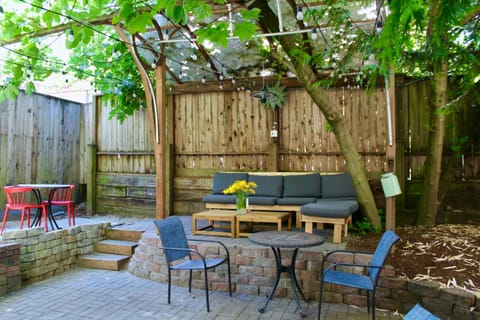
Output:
(448, 254)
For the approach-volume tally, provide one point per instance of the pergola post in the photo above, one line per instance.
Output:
(390, 207)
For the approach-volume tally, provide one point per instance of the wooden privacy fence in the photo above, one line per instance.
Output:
(39, 141)
(44, 139)
(229, 130)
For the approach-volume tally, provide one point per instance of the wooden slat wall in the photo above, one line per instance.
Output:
(308, 145)
(39, 141)
(125, 164)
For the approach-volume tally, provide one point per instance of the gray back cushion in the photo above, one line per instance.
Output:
(304, 185)
(267, 186)
(223, 180)
(337, 186)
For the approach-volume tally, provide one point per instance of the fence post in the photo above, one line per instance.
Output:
(91, 172)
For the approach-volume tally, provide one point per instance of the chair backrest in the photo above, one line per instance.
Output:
(63, 194)
(381, 253)
(16, 196)
(419, 313)
(172, 235)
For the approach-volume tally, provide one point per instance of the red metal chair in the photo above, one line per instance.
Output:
(16, 201)
(63, 198)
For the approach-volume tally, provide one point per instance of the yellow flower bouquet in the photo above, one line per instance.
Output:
(241, 188)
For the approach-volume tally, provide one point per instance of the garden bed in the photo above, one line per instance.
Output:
(448, 254)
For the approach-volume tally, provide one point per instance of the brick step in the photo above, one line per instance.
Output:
(105, 261)
(122, 247)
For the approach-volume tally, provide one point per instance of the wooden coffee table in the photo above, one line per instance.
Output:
(212, 216)
(262, 217)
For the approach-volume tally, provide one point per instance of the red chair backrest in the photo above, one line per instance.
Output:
(63, 194)
(16, 196)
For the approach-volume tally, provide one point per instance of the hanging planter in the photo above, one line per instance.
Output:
(277, 95)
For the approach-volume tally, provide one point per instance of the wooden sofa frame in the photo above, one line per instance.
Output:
(339, 224)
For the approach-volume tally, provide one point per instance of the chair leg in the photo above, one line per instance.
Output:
(368, 302)
(22, 217)
(373, 304)
(169, 284)
(320, 300)
(72, 213)
(4, 221)
(45, 218)
(229, 279)
(206, 290)
(190, 281)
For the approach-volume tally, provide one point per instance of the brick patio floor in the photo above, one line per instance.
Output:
(117, 295)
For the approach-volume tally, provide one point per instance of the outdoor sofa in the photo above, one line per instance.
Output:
(313, 197)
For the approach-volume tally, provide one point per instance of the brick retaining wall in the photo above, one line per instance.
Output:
(41, 255)
(253, 272)
(10, 279)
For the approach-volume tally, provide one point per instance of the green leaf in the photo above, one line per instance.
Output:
(245, 30)
(178, 14)
(30, 87)
(217, 34)
(252, 14)
(199, 9)
(139, 23)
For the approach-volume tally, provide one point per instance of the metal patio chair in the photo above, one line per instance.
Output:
(419, 313)
(349, 278)
(175, 246)
(16, 200)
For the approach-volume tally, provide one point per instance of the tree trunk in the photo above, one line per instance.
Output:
(155, 101)
(331, 112)
(428, 205)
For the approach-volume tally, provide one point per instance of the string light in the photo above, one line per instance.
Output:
(299, 15)
(379, 26)
(314, 34)
(70, 36)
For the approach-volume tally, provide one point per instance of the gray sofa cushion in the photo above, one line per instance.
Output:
(330, 209)
(262, 200)
(219, 198)
(267, 186)
(223, 180)
(302, 185)
(337, 186)
(295, 201)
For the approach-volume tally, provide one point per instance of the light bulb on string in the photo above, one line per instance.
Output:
(379, 26)
(204, 80)
(70, 36)
(299, 15)
(314, 34)
(220, 86)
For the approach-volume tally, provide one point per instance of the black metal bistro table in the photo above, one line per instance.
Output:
(278, 240)
(51, 188)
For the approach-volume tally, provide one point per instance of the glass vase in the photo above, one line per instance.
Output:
(241, 204)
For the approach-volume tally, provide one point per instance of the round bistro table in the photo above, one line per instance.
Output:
(278, 240)
(51, 188)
